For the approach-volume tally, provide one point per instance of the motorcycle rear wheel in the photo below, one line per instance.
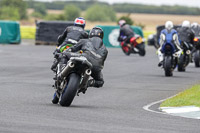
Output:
(141, 48)
(70, 90)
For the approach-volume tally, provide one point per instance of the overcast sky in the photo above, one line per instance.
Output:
(193, 3)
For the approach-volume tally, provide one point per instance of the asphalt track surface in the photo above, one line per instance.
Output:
(131, 82)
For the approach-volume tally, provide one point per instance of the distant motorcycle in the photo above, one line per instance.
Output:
(197, 51)
(170, 58)
(185, 57)
(72, 77)
(136, 46)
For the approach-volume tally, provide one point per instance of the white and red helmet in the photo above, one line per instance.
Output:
(80, 22)
(121, 22)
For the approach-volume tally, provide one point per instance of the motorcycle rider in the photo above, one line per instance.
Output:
(125, 33)
(186, 34)
(71, 35)
(168, 35)
(196, 28)
(95, 51)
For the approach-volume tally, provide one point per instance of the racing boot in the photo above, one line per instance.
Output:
(160, 63)
(56, 97)
(53, 67)
(95, 83)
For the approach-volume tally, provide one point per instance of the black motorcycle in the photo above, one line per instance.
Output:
(73, 72)
(185, 57)
(197, 51)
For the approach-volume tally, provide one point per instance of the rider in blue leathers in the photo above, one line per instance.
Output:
(168, 35)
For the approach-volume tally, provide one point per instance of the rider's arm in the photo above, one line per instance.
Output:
(119, 37)
(192, 36)
(77, 46)
(62, 37)
(105, 53)
(162, 39)
(176, 41)
(85, 35)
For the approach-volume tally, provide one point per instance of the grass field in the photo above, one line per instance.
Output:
(151, 21)
(186, 98)
(28, 32)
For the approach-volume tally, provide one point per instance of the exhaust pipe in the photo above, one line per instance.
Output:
(66, 70)
(86, 76)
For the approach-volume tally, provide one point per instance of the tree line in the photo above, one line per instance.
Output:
(93, 10)
(125, 8)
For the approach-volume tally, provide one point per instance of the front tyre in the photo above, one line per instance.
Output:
(197, 58)
(70, 90)
(126, 50)
(168, 66)
(181, 63)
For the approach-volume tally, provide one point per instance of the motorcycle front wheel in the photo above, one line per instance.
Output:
(70, 90)
(197, 58)
(126, 50)
(168, 66)
(181, 63)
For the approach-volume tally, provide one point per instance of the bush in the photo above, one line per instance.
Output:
(40, 8)
(100, 13)
(37, 15)
(71, 12)
(7, 13)
(141, 25)
(18, 6)
(55, 17)
(127, 19)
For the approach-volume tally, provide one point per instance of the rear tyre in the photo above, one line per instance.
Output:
(197, 58)
(70, 90)
(168, 66)
(141, 48)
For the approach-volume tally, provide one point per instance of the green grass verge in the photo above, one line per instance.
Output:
(147, 33)
(28, 32)
(186, 98)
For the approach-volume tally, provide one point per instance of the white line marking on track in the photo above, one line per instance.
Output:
(153, 103)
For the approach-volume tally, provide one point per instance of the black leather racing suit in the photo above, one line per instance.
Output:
(72, 35)
(95, 51)
(186, 35)
(125, 34)
(196, 30)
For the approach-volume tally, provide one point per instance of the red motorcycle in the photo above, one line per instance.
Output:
(136, 46)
